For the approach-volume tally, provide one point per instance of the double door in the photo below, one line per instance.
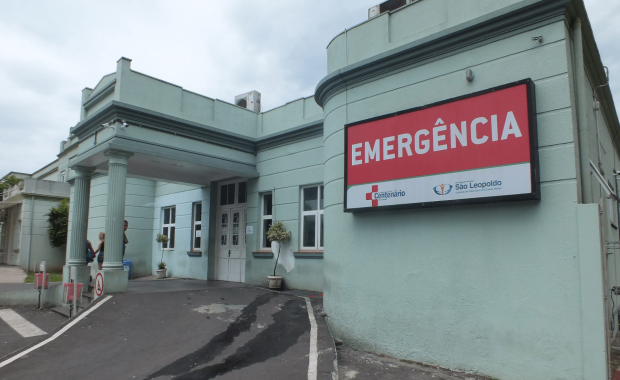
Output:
(231, 244)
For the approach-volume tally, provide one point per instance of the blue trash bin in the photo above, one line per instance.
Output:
(127, 266)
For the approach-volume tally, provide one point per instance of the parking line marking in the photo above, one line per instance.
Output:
(59, 333)
(20, 324)
(313, 357)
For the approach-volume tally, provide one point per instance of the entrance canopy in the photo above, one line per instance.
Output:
(163, 148)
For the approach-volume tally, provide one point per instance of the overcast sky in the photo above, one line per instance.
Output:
(51, 50)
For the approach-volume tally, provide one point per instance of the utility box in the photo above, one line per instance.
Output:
(387, 6)
(249, 100)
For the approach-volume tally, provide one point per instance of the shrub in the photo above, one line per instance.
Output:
(58, 220)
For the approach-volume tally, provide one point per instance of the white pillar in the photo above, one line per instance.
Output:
(115, 216)
(79, 215)
(80, 204)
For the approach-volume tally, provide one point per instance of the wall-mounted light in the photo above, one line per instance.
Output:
(469, 75)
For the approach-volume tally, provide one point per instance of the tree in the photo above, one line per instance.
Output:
(58, 219)
(278, 233)
(8, 181)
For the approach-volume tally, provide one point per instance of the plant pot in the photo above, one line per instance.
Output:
(275, 282)
(161, 273)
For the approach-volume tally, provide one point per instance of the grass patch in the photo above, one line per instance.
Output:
(54, 277)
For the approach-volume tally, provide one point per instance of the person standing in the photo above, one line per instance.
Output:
(90, 252)
(100, 249)
(125, 240)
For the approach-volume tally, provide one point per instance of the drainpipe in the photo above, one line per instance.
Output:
(30, 235)
(582, 120)
(597, 106)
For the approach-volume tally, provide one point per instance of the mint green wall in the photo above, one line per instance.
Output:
(144, 91)
(287, 169)
(11, 236)
(290, 115)
(140, 196)
(493, 288)
(38, 245)
(414, 22)
(144, 200)
(179, 264)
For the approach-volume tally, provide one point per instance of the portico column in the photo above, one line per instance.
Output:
(117, 184)
(79, 215)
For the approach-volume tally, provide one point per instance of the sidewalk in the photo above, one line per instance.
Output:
(359, 365)
(12, 278)
(11, 275)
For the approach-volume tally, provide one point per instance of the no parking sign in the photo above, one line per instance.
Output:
(99, 285)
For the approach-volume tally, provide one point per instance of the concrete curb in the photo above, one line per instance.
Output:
(30, 297)
(335, 374)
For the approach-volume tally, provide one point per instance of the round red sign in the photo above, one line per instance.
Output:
(99, 285)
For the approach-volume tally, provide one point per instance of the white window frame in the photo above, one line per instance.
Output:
(62, 176)
(317, 220)
(263, 217)
(235, 194)
(169, 225)
(194, 224)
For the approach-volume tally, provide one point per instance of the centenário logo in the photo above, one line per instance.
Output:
(442, 189)
(375, 196)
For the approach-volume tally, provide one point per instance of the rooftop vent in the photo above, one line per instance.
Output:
(388, 6)
(249, 100)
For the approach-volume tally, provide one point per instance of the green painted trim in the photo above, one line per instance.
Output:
(98, 83)
(159, 150)
(117, 111)
(67, 150)
(308, 255)
(47, 172)
(94, 99)
(433, 175)
(303, 132)
(262, 255)
(481, 31)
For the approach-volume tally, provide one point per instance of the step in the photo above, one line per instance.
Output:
(62, 311)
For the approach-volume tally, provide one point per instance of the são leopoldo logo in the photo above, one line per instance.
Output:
(442, 189)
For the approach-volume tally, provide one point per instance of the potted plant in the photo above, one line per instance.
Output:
(277, 233)
(161, 272)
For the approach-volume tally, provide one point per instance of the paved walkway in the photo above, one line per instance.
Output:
(359, 365)
(11, 275)
(12, 278)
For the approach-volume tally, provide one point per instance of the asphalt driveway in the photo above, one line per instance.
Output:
(187, 330)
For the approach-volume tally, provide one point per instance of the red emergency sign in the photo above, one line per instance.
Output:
(492, 129)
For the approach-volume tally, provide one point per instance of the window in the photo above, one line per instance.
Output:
(196, 226)
(168, 226)
(267, 207)
(62, 176)
(312, 218)
(227, 193)
(242, 193)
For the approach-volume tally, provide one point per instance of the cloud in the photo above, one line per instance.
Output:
(50, 51)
